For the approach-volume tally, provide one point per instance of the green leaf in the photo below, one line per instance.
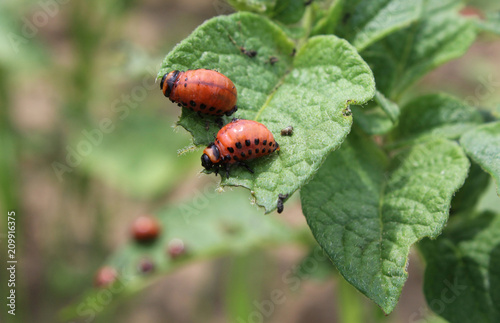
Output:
(284, 11)
(466, 199)
(490, 24)
(326, 25)
(367, 21)
(206, 227)
(406, 55)
(309, 92)
(139, 156)
(389, 107)
(379, 116)
(366, 213)
(435, 115)
(482, 144)
(258, 6)
(372, 119)
(437, 7)
(289, 11)
(462, 278)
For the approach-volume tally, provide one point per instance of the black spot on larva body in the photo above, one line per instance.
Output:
(219, 111)
(249, 152)
(247, 143)
(211, 109)
(236, 158)
(227, 157)
(202, 106)
(264, 142)
(192, 103)
(256, 141)
(185, 85)
(238, 145)
(257, 150)
(270, 144)
(186, 79)
(243, 155)
(264, 150)
(184, 104)
(231, 150)
(178, 104)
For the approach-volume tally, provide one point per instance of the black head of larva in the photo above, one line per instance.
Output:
(170, 78)
(211, 157)
(206, 162)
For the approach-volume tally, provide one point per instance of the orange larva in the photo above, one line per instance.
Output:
(236, 142)
(203, 91)
(145, 228)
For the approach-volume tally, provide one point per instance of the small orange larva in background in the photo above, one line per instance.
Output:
(204, 91)
(145, 228)
(105, 276)
(236, 142)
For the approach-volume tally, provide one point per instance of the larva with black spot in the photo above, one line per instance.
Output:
(236, 142)
(201, 90)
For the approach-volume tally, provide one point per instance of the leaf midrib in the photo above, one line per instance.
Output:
(271, 94)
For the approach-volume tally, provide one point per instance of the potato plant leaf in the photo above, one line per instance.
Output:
(462, 278)
(364, 22)
(284, 11)
(378, 117)
(257, 6)
(309, 91)
(366, 211)
(403, 57)
(435, 115)
(482, 144)
(198, 229)
(122, 159)
(467, 198)
(490, 24)
(328, 23)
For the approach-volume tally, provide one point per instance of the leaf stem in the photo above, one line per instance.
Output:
(307, 22)
(350, 303)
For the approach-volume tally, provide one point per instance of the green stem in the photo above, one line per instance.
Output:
(307, 24)
(350, 303)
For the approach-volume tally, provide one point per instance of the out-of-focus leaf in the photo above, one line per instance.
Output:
(284, 11)
(482, 144)
(378, 117)
(435, 115)
(490, 24)
(462, 278)
(403, 57)
(364, 22)
(205, 227)
(139, 156)
(468, 196)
